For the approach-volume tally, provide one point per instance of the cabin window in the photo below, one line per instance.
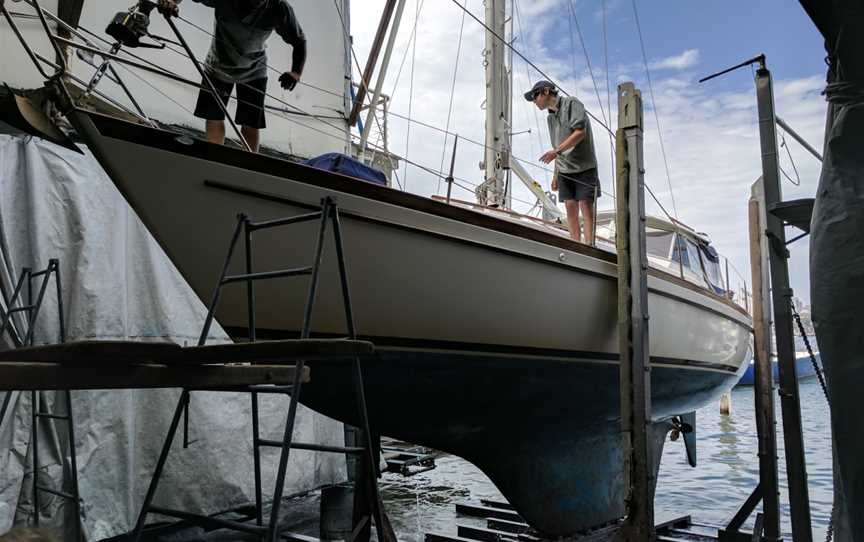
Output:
(680, 252)
(658, 243)
(711, 263)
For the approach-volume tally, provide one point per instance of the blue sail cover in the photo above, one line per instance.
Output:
(341, 163)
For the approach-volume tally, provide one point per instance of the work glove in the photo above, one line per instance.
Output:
(289, 80)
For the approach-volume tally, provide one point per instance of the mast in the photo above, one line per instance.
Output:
(498, 82)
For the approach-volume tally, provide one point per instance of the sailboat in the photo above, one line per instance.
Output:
(496, 335)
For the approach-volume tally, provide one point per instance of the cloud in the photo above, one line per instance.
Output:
(686, 59)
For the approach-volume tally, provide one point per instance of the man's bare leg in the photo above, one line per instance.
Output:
(572, 207)
(216, 131)
(252, 136)
(587, 208)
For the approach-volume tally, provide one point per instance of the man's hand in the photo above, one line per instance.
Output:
(555, 182)
(169, 8)
(289, 80)
(549, 156)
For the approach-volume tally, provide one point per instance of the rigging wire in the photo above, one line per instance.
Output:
(419, 6)
(608, 119)
(526, 59)
(297, 110)
(346, 35)
(518, 15)
(452, 94)
(654, 108)
(573, 19)
(411, 39)
(398, 115)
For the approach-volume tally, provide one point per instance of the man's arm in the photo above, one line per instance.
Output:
(571, 141)
(288, 27)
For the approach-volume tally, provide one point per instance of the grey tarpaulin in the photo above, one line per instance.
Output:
(837, 252)
(118, 284)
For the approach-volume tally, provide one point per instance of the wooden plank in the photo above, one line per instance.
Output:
(275, 352)
(478, 511)
(484, 535)
(53, 376)
(89, 353)
(515, 527)
(497, 504)
(95, 352)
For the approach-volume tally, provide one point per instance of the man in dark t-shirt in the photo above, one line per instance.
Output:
(237, 56)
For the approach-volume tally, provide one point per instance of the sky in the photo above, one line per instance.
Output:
(709, 131)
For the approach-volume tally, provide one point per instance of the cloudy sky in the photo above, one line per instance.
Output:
(709, 130)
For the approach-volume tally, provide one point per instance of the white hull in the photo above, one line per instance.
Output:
(415, 276)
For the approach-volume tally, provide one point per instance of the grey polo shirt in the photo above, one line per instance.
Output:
(570, 115)
(241, 29)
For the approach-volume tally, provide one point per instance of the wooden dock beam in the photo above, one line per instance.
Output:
(635, 373)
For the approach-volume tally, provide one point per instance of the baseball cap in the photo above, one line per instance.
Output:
(538, 86)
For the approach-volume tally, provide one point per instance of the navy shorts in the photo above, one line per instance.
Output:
(581, 186)
(250, 102)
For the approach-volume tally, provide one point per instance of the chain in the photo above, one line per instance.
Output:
(816, 367)
(829, 534)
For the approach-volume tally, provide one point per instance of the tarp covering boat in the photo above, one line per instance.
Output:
(344, 164)
(118, 284)
(837, 252)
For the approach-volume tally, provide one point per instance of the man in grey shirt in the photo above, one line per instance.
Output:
(575, 176)
(237, 56)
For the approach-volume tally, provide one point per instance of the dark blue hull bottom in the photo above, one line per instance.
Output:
(546, 432)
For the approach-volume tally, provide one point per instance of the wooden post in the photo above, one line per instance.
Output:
(635, 371)
(781, 295)
(762, 379)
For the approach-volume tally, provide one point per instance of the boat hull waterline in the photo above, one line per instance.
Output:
(496, 342)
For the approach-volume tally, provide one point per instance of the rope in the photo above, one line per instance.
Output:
(791, 160)
(654, 108)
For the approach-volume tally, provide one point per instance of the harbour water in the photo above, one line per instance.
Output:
(727, 472)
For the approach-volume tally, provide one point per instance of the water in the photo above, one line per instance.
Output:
(712, 492)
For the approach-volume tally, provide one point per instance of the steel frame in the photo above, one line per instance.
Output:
(329, 214)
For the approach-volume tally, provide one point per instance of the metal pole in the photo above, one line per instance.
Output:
(382, 73)
(790, 403)
(34, 428)
(371, 61)
(763, 386)
(635, 370)
(207, 81)
(450, 178)
(496, 99)
(798, 138)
